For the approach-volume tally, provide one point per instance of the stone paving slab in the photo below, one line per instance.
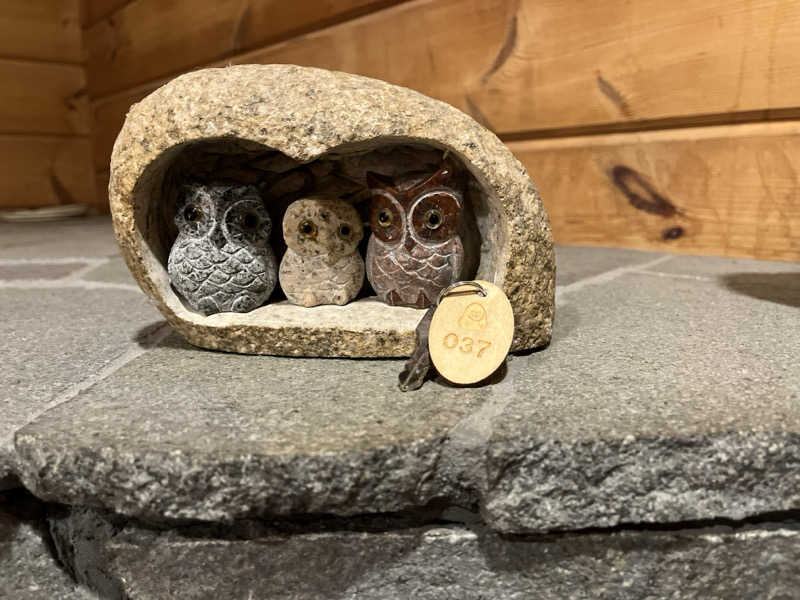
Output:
(217, 436)
(114, 271)
(87, 237)
(55, 339)
(431, 562)
(662, 398)
(574, 263)
(28, 568)
(38, 270)
(716, 266)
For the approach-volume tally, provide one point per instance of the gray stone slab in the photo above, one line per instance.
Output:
(189, 433)
(771, 281)
(661, 399)
(114, 271)
(28, 568)
(55, 338)
(38, 270)
(574, 263)
(716, 266)
(428, 562)
(86, 236)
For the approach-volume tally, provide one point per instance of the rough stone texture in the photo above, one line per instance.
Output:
(306, 113)
(321, 266)
(28, 568)
(114, 271)
(663, 398)
(217, 436)
(576, 263)
(82, 237)
(38, 270)
(324, 561)
(57, 338)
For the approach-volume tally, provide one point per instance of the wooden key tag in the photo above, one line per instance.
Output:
(471, 331)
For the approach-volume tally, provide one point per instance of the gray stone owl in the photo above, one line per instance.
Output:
(322, 264)
(415, 249)
(221, 260)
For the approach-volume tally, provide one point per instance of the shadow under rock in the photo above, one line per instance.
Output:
(781, 288)
(18, 506)
(154, 334)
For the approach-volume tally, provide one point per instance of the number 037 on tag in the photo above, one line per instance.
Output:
(471, 334)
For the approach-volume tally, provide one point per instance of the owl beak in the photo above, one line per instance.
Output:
(218, 239)
(409, 243)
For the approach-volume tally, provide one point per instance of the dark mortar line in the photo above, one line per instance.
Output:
(427, 517)
(789, 518)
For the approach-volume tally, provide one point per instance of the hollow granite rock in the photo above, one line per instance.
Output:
(284, 119)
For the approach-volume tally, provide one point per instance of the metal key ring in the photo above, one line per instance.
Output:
(480, 290)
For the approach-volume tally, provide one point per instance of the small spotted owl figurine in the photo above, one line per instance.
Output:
(221, 260)
(414, 251)
(322, 264)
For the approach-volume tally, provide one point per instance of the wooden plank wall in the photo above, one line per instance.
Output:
(646, 124)
(45, 144)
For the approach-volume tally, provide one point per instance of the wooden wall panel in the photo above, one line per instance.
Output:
(538, 69)
(41, 29)
(41, 97)
(728, 190)
(578, 64)
(534, 66)
(94, 10)
(42, 171)
(377, 46)
(147, 39)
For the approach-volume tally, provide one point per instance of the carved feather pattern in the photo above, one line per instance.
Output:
(215, 279)
(407, 274)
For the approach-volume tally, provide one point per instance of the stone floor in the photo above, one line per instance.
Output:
(653, 450)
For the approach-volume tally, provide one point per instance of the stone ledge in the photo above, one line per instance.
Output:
(318, 561)
(28, 569)
(658, 401)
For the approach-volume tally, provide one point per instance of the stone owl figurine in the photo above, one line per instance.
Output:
(322, 264)
(221, 260)
(415, 250)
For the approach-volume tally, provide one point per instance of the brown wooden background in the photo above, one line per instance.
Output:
(646, 124)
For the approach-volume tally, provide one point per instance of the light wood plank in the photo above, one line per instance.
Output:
(533, 65)
(147, 39)
(45, 171)
(589, 63)
(376, 45)
(728, 190)
(43, 98)
(41, 29)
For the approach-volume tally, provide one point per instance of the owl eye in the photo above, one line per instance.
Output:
(307, 228)
(384, 218)
(192, 214)
(344, 231)
(250, 221)
(433, 218)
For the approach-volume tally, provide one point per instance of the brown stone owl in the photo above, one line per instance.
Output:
(415, 250)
